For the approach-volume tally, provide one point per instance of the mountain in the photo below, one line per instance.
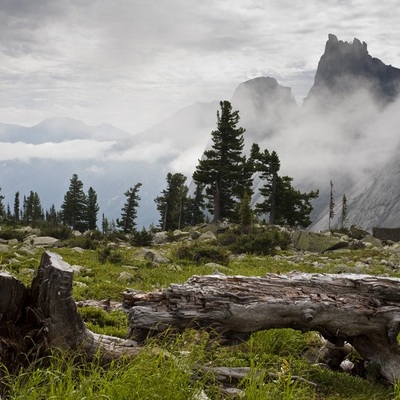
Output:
(345, 67)
(345, 131)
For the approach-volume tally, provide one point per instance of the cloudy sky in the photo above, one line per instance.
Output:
(132, 63)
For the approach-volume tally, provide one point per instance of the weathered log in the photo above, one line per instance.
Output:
(362, 310)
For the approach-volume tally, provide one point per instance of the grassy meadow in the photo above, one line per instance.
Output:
(281, 363)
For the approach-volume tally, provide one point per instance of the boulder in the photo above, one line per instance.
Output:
(357, 233)
(156, 257)
(370, 240)
(45, 241)
(316, 242)
(207, 236)
(387, 234)
(160, 238)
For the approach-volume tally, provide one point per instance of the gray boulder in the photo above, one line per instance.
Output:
(45, 241)
(316, 242)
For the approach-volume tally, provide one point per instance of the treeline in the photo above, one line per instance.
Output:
(223, 186)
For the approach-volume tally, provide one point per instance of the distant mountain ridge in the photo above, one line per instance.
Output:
(346, 131)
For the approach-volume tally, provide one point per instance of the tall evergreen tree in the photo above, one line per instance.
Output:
(173, 202)
(73, 208)
(127, 223)
(287, 205)
(2, 209)
(245, 213)
(196, 205)
(224, 170)
(51, 215)
(331, 206)
(344, 210)
(33, 211)
(92, 208)
(16, 207)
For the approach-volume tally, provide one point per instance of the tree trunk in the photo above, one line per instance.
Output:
(363, 310)
(45, 316)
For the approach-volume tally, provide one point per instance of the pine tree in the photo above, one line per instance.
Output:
(172, 204)
(245, 213)
(51, 215)
(344, 210)
(92, 208)
(32, 208)
(73, 208)
(16, 207)
(127, 223)
(224, 170)
(284, 204)
(2, 209)
(196, 205)
(331, 206)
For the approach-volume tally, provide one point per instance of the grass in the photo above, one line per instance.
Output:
(169, 367)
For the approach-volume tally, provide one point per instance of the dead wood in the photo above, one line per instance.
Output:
(362, 310)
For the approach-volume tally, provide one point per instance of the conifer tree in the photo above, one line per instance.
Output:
(196, 205)
(245, 213)
(92, 208)
(73, 208)
(16, 207)
(2, 209)
(284, 204)
(223, 169)
(127, 223)
(32, 206)
(173, 203)
(344, 210)
(331, 206)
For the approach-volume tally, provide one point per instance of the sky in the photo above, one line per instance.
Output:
(133, 63)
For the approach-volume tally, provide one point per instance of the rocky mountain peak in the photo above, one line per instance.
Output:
(345, 67)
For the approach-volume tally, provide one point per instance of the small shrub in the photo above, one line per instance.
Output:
(83, 241)
(108, 254)
(259, 243)
(202, 253)
(10, 233)
(142, 238)
(61, 232)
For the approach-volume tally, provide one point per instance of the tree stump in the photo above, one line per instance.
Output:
(45, 316)
(362, 310)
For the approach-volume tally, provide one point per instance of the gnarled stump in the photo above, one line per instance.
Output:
(363, 310)
(45, 316)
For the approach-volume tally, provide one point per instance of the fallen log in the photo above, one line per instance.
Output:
(362, 310)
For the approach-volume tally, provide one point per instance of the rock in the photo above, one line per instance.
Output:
(193, 234)
(315, 242)
(77, 269)
(12, 242)
(357, 233)
(156, 257)
(45, 241)
(160, 238)
(27, 271)
(207, 236)
(126, 277)
(78, 249)
(372, 241)
(4, 248)
(385, 234)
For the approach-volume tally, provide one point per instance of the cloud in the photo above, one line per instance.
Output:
(68, 150)
(133, 63)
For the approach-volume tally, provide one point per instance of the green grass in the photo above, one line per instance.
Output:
(170, 367)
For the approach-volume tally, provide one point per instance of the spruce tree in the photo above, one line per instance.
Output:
(2, 209)
(73, 208)
(344, 210)
(127, 223)
(172, 204)
(331, 206)
(224, 169)
(16, 207)
(284, 204)
(92, 208)
(245, 213)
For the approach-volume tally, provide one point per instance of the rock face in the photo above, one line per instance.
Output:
(265, 106)
(346, 66)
